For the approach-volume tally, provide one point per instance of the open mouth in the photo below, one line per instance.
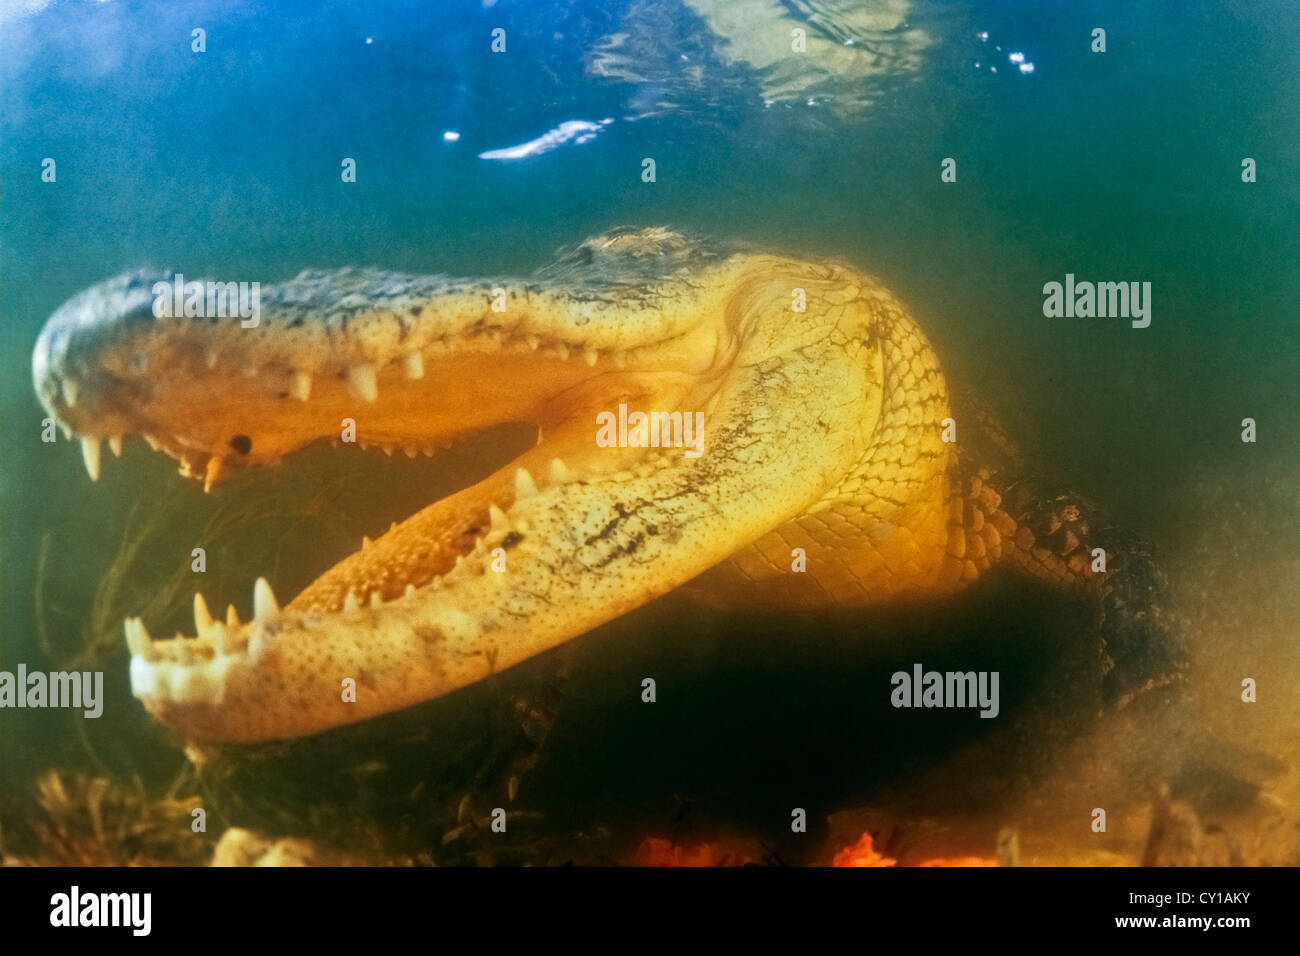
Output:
(407, 364)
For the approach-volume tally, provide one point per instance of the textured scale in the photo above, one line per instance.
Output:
(823, 431)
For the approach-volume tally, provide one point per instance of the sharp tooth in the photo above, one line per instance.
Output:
(115, 445)
(67, 431)
(202, 619)
(376, 600)
(388, 450)
(562, 350)
(137, 639)
(300, 387)
(410, 451)
(69, 388)
(525, 487)
(151, 649)
(350, 604)
(499, 522)
(559, 473)
(590, 355)
(232, 617)
(211, 359)
(264, 606)
(533, 342)
(361, 379)
(365, 542)
(413, 363)
(212, 473)
(154, 443)
(410, 589)
(220, 638)
(460, 563)
(90, 455)
(437, 582)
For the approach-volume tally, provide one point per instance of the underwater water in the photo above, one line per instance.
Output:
(1123, 165)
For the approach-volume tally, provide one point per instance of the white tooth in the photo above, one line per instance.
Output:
(376, 600)
(361, 379)
(525, 487)
(220, 639)
(365, 542)
(232, 618)
(69, 388)
(350, 604)
(562, 350)
(559, 473)
(153, 442)
(410, 589)
(150, 646)
(437, 582)
(212, 472)
(67, 432)
(300, 387)
(136, 641)
(413, 362)
(590, 355)
(115, 445)
(264, 606)
(202, 619)
(410, 451)
(388, 450)
(90, 455)
(499, 522)
(533, 342)
(211, 358)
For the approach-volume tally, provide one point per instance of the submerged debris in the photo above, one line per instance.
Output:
(76, 819)
(654, 851)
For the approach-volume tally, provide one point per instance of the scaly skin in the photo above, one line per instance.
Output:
(823, 430)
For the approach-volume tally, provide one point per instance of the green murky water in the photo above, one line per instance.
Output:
(1122, 166)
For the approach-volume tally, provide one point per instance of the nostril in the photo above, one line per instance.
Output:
(242, 444)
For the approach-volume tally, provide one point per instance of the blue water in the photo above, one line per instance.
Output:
(1123, 165)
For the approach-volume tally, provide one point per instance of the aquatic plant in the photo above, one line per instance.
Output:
(77, 819)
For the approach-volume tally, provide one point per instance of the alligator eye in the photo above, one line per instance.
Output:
(242, 444)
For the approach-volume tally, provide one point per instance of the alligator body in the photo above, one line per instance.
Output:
(828, 444)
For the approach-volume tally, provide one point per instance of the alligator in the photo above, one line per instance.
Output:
(833, 470)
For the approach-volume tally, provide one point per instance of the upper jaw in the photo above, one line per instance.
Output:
(412, 372)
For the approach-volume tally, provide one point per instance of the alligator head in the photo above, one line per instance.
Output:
(820, 431)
